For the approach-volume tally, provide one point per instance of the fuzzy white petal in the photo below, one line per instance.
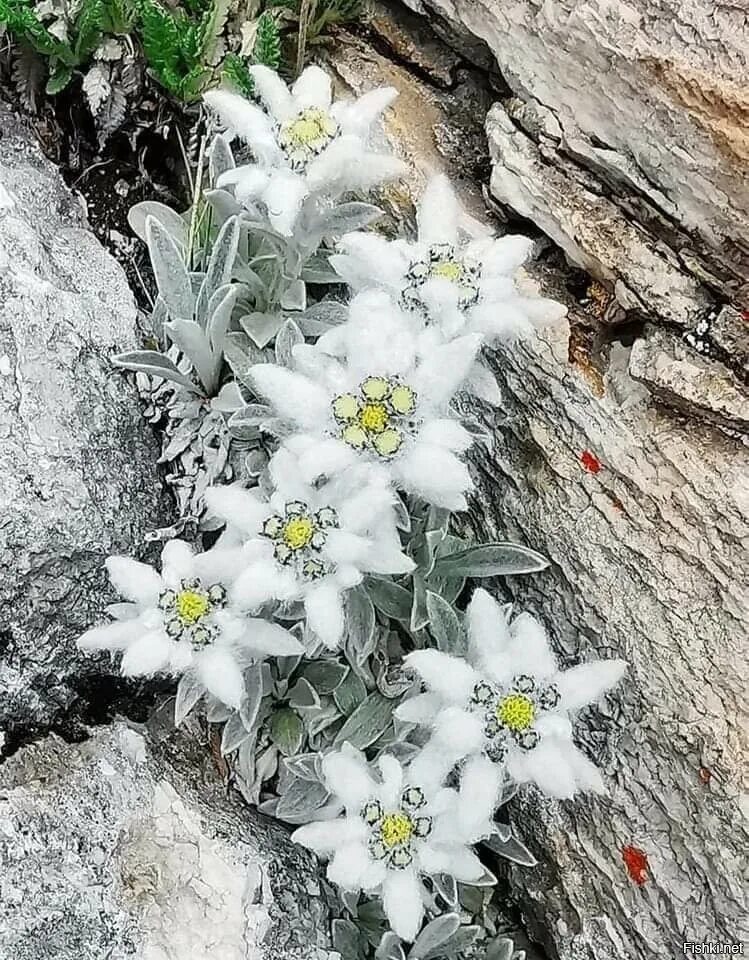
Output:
(177, 562)
(480, 787)
(547, 766)
(587, 775)
(357, 116)
(217, 670)
(444, 369)
(295, 397)
(249, 182)
(459, 733)
(392, 780)
(504, 255)
(450, 677)
(349, 865)
(459, 862)
(530, 651)
(345, 166)
(348, 778)
(268, 639)
(272, 91)
(111, 636)
(283, 198)
(402, 902)
(345, 547)
(439, 212)
(134, 580)
(312, 89)
(324, 609)
(435, 474)
(587, 682)
(258, 582)
(147, 655)
(446, 433)
(237, 506)
(247, 121)
(326, 458)
(328, 835)
(419, 709)
(488, 631)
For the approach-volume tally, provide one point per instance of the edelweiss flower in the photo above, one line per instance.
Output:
(510, 704)
(183, 621)
(452, 279)
(392, 831)
(311, 543)
(303, 143)
(385, 401)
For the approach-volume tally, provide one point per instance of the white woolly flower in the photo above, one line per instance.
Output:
(183, 621)
(311, 543)
(304, 144)
(451, 278)
(394, 830)
(384, 401)
(508, 706)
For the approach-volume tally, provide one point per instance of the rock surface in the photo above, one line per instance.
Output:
(77, 474)
(122, 849)
(645, 516)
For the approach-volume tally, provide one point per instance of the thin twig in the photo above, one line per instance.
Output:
(307, 11)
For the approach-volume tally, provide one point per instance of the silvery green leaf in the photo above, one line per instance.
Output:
(318, 270)
(189, 691)
(303, 695)
(155, 364)
(304, 766)
(247, 423)
(229, 398)
(301, 801)
(389, 948)
(511, 849)
(223, 204)
(220, 158)
(216, 712)
(359, 624)
(349, 694)
(254, 690)
(254, 283)
(447, 888)
(433, 936)
(240, 354)
(390, 598)
(286, 339)
(346, 939)
(419, 613)
(261, 328)
(269, 807)
(221, 264)
(287, 665)
(325, 675)
(402, 516)
(322, 316)
(220, 310)
(368, 722)
(287, 731)
(454, 946)
(346, 217)
(234, 734)
(491, 560)
(444, 624)
(501, 948)
(171, 221)
(319, 720)
(169, 270)
(193, 342)
(295, 296)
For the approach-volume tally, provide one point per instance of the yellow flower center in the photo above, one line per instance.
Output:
(309, 128)
(395, 829)
(297, 533)
(374, 417)
(448, 270)
(191, 606)
(516, 712)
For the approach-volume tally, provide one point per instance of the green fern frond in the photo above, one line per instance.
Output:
(21, 21)
(268, 42)
(88, 28)
(235, 70)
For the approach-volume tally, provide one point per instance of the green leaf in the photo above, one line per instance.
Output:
(154, 364)
(169, 270)
(170, 220)
(325, 675)
(368, 722)
(301, 801)
(511, 849)
(268, 42)
(392, 600)
(433, 936)
(59, 78)
(234, 734)
(359, 625)
(234, 69)
(349, 694)
(88, 27)
(491, 560)
(501, 948)
(346, 939)
(390, 947)
(444, 624)
(287, 731)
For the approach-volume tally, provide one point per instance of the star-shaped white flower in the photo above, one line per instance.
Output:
(384, 400)
(508, 705)
(182, 621)
(456, 277)
(311, 542)
(393, 831)
(304, 143)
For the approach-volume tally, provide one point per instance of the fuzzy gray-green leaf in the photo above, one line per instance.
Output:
(169, 270)
(491, 560)
(368, 722)
(444, 624)
(287, 731)
(433, 936)
(154, 364)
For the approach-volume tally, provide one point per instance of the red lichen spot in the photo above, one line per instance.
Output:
(745, 316)
(636, 862)
(590, 461)
(705, 775)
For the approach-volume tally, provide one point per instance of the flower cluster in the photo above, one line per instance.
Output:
(367, 444)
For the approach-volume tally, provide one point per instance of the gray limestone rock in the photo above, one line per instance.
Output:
(78, 479)
(124, 849)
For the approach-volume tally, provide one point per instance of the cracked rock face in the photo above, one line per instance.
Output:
(78, 479)
(122, 849)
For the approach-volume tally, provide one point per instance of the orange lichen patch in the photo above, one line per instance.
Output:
(590, 461)
(704, 775)
(636, 862)
(599, 297)
(579, 354)
(718, 105)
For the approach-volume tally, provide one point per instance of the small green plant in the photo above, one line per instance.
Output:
(267, 51)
